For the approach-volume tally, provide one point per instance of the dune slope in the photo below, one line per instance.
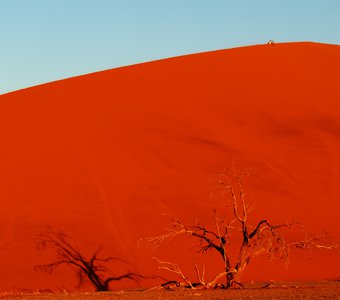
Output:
(104, 156)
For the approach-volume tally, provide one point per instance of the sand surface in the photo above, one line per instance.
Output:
(105, 156)
(289, 291)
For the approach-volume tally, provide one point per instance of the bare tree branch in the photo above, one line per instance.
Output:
(165, 265)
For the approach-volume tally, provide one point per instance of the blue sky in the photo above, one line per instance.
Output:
(46, 40)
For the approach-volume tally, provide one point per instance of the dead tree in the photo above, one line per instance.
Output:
(91, 267)
(264, 237)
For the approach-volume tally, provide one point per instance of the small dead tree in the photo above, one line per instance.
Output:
(264, 237)
(86, 267)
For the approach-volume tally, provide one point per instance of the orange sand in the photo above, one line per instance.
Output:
(105, 155)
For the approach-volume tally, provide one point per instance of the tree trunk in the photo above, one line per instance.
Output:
(230, 279)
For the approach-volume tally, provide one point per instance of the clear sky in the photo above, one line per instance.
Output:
(46, 40)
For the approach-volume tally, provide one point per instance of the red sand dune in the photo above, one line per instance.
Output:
(105, 155)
